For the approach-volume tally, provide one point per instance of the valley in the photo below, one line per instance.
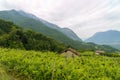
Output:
(32, 48)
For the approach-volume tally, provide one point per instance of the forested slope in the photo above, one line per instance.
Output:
(12, 36)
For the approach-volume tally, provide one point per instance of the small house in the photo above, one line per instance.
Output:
(99, 52)
(70, 53)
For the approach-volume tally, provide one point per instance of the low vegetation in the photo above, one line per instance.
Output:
(3, 74)
(32, 65)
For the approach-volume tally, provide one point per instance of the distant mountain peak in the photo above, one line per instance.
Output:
(110, 37)
(113, 31)
(13, 10)
(68, 32)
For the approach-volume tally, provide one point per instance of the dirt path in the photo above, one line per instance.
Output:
(4, 75)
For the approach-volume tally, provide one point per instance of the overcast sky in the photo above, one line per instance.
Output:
(84, 17)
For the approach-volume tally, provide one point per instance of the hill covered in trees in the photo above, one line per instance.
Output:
(12, 36)
(26, 21)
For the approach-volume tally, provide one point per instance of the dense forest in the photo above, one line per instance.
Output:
(13, 36)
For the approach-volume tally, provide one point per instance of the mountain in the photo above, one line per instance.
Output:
(66, 31)
(29, 21)
(111, 37)
(70, 34)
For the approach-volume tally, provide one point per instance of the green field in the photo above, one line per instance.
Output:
(32, 65)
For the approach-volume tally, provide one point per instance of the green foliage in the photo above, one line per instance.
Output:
(15, 37)
(31, 65)
(5, 27)
(92, 47)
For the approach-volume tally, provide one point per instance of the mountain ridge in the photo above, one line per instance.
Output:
(65, 31)
(30, 23)
(37, 26)
(110, 37)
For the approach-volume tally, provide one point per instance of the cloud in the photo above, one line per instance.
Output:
(84, 17)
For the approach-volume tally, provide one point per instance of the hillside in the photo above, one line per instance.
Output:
(110, 37)
(69, 33)
(36, 25)
(12, 36)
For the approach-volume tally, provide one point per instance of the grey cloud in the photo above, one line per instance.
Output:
(85, 17)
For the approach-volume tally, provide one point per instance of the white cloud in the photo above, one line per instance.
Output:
(85, 17)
